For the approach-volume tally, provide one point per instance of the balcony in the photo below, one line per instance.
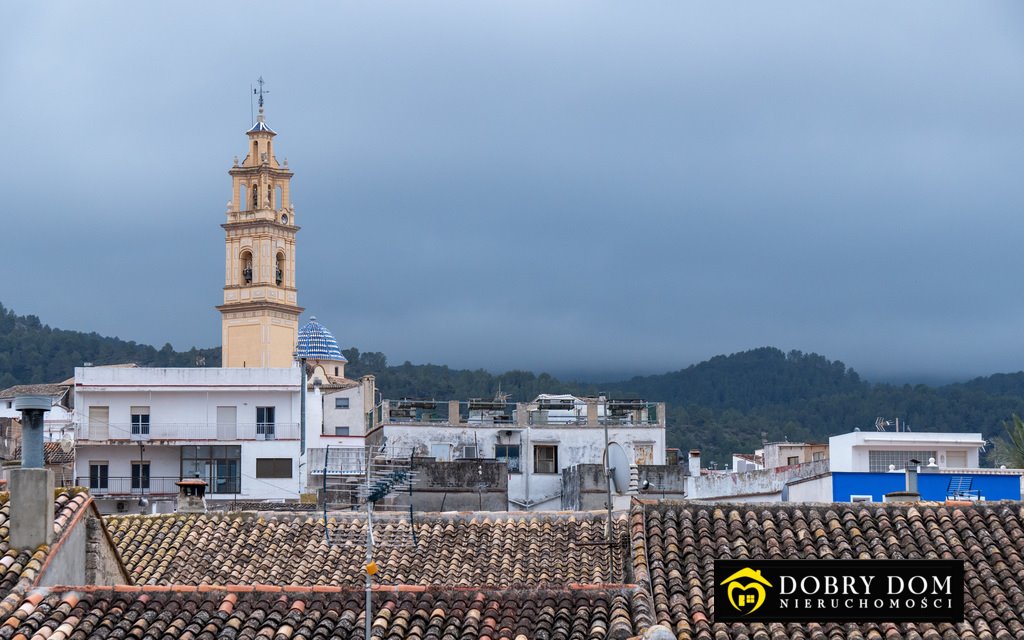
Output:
(125, 432)
(128, 486)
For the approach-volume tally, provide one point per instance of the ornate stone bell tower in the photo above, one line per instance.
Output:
(260, 314)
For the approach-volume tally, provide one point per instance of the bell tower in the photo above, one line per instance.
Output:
(260, 314)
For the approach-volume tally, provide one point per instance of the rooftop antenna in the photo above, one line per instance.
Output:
(359, 477)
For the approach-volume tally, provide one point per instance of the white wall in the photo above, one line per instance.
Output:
(351, 417)
(183, 402)
(818, 489)
(850, 451)
(576, 445)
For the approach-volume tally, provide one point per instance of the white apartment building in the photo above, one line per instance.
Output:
(537, 439)
(876, 451)
(140, 430)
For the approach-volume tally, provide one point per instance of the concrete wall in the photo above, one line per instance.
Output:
(461, 485)
(666, 481)
(814, 489)
(765, 482)
(584, 486)
(68, 561)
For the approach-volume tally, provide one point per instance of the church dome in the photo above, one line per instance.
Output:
(317, 343)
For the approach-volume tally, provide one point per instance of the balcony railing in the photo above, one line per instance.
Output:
(187, 431)
(128, 486)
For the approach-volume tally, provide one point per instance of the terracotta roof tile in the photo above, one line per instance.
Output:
(605, 612)
(471, 550)
(52, 454)
(674, 545)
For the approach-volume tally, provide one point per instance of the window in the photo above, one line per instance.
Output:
(818, 455)
(273, 467)
(219, 465)
(441, 452)
(99, 474)
(140, 421)
(545, 458)
(861, 498)
(140, 475)
(792, 460)
(509, 454)
(879, 461)
(246, 262)
(336, 373)
(265, 422)
(341, 403)
(99, 423)
(341, 431)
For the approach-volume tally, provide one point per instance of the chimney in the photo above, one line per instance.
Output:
(912, 476)
(695, 463)
(31, 486)
(191, 495)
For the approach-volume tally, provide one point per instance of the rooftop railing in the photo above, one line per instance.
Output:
(479, 413)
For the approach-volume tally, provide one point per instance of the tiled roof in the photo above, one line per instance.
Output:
(675, 545)
(326, 612)
(19, 568)
(52, 453)
(56, 389)
(481, 550)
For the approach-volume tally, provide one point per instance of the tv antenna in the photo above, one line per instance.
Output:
(367, 477)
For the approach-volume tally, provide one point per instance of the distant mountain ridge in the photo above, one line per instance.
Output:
(729, 403)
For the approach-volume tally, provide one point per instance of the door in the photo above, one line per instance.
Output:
(227, 423)
(99, 423)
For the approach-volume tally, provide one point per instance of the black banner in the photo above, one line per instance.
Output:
(839, 591)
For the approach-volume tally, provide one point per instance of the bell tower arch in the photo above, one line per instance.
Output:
(260, 313)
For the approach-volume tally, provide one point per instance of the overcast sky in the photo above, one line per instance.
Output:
(563, 186)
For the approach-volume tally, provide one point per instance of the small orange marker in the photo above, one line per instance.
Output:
(371, 568)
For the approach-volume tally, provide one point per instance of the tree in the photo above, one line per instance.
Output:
(1010, 449)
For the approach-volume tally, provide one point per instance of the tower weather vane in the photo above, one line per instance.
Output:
(259, 92)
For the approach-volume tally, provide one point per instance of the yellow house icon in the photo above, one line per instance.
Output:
(751, 584)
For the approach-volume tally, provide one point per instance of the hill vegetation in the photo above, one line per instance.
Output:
(32, 352)
(724, 405)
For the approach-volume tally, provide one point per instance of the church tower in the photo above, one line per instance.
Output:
(260, 314)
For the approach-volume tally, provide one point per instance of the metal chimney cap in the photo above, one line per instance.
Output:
(26, 403)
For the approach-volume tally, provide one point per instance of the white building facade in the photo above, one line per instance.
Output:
(537, 440)
(141, 430)
(877, 451)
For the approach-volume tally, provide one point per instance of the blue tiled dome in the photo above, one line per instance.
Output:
(317, 343)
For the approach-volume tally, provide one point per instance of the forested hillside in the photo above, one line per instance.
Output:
(32, 352)
(726, 404)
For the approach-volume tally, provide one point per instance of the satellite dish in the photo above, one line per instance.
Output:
(67, 442)
(618, 467)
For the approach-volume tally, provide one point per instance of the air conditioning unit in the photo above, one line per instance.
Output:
(469, 452)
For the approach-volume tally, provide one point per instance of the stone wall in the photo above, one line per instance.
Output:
(459, 485)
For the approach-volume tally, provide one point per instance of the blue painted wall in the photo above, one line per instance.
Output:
(931, 486)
